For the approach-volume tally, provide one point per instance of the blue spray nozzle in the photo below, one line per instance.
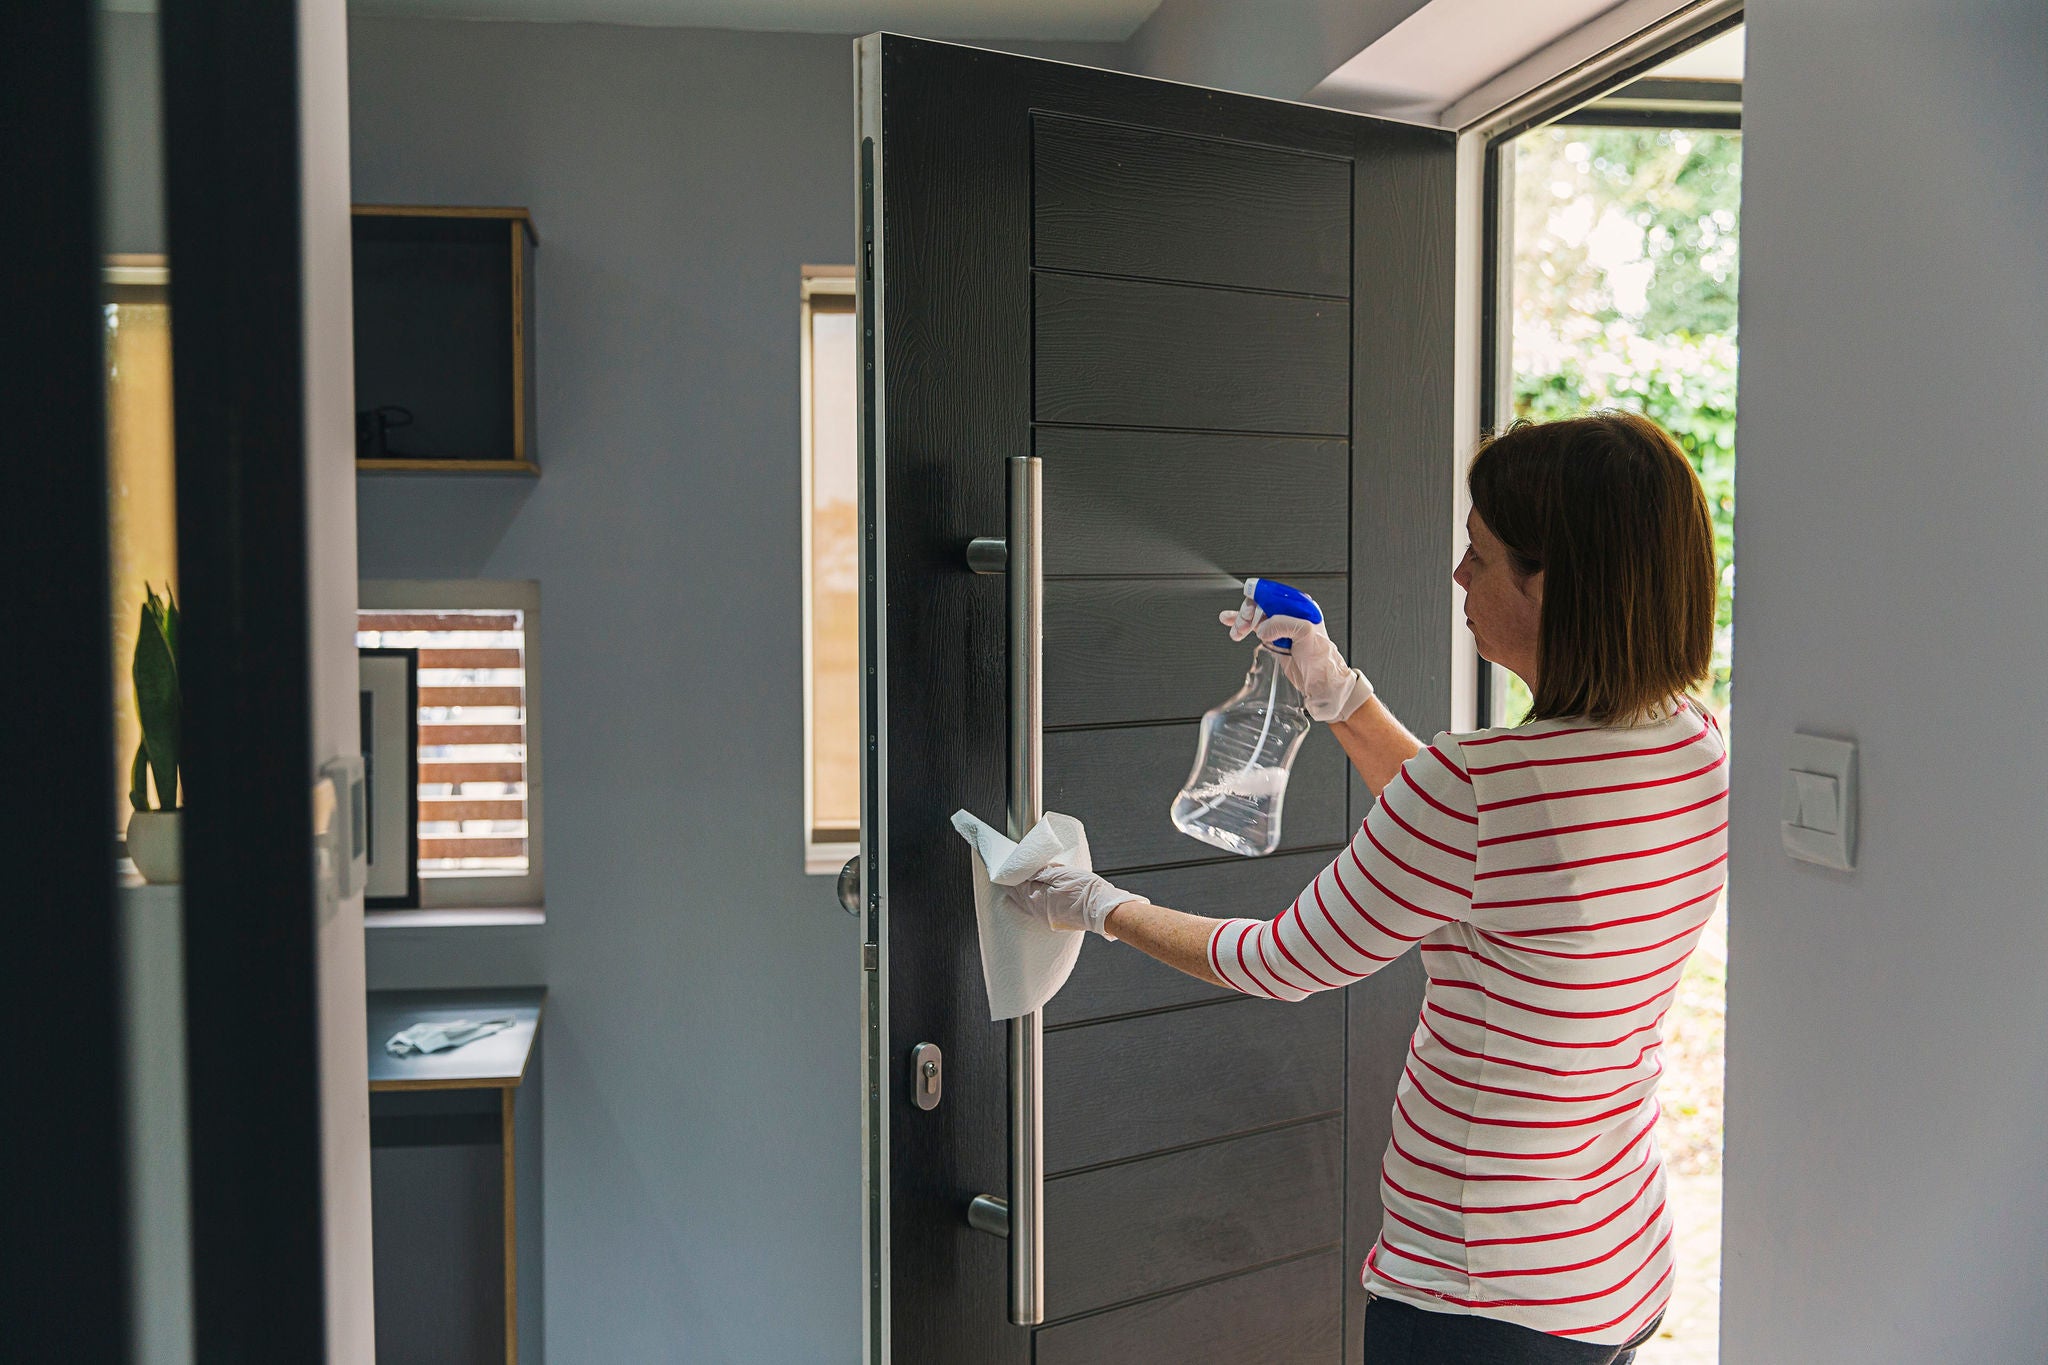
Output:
(1278, 599)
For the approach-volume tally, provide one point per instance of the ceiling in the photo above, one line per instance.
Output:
(1090, 20)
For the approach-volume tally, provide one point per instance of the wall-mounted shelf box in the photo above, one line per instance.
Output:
(444, 339)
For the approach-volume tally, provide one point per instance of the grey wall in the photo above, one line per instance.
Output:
(1888, 1028)
(131, 99)
(703, 1175)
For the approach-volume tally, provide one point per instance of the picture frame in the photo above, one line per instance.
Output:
(390, 699)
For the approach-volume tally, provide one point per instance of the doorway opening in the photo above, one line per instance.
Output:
(1616, 227)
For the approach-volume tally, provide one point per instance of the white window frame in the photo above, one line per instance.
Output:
(820, 859)
(505, 898)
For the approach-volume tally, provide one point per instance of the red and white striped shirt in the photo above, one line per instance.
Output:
(1557, 877)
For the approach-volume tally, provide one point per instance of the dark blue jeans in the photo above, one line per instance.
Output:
(1400, 1334)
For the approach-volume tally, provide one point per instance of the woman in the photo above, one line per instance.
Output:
(1556, 875)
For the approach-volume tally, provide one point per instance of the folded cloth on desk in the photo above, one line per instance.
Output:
(444, 1035)
(1024, 961)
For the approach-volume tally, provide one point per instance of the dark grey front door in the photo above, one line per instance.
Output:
(1224, 324)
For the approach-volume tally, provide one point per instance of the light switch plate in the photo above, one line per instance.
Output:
(1819, 825)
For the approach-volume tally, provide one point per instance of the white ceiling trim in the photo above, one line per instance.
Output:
(1455, 63)
(1559, 59)
(1448, 48)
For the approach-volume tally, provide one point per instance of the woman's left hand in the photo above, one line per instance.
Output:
(1063, 897)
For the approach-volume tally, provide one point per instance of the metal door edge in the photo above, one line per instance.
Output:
(876, 1346)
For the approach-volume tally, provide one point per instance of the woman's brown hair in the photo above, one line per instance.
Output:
(1609, 508)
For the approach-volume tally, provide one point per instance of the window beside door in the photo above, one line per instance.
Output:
(831, 555)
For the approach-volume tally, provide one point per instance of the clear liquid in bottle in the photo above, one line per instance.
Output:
(1233, 797)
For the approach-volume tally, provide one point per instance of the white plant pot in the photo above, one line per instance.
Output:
(157, 844)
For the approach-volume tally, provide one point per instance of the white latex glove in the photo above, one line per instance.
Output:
(1068, 898)
(1329, 687)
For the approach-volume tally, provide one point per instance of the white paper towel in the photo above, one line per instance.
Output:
(1023, 961)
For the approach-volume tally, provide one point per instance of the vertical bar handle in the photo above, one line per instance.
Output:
(1021, 1217)
(1026, 585)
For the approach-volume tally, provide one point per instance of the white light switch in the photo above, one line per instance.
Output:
(1819, 802)
(1817, 810)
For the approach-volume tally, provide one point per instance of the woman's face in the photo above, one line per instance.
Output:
(1502, 608)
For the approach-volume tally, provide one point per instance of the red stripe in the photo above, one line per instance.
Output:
(1318, 889)
(1603, 1326)
(1618, 1248)
(1523, 1208)
(1388, 1210)
(1537, 1094)
(1687, 932)
(1214, 965)
(1618, 754)
(1641, 1053)
(1374, 839)
(1301, 923)
(1395, 816)
(1453, 983)
(1258, 987)
(1579, 930)
(1614, 1288)
(1416, 787)
(1556, 985)
(1604, 791)
(1548, 734)
(1582, 896)
(1619, 1209)
(1453, 769)
(1272, 992)
(1540, 1042)
(1281, 944)
(1450, 1146)
(1367, 915)
(1473, 1178)
(1475, 1119)
(1605, 858)
(1598, 1190)
(1552, 831)
(1380, 886)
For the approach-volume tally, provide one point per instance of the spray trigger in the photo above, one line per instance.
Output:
(1275, 598)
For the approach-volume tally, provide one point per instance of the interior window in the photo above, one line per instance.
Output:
(477, 733)
(831, 571)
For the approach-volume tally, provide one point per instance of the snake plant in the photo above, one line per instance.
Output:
(158, 702)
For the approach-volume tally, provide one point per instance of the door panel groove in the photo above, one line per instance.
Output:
(1062, 1026)
(1277, 1261)
(1120, 351)
(1047, 116)
(1130, 869)
(1181, 283)
(1167, 429)
(1257, 1130)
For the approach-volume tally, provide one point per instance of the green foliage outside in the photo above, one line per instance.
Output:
(1625, 297)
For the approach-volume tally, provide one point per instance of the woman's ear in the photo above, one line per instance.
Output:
(1532, 588)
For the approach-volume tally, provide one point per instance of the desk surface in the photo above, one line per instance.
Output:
(496, 1061)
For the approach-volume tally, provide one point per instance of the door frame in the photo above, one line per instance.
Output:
(1485, 274)
(65, 1152)
(231, 119)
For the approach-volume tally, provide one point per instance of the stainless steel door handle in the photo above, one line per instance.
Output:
(1021, 1217)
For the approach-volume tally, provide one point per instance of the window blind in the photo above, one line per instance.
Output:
(472, 734)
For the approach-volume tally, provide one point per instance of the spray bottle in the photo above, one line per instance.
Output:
(1233, 796)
